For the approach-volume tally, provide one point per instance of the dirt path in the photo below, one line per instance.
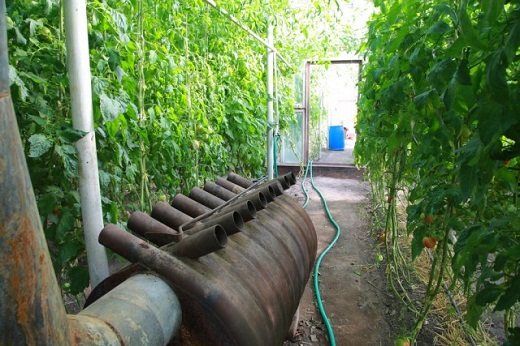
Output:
(353, 287)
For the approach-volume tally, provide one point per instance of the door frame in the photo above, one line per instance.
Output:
(307, 96)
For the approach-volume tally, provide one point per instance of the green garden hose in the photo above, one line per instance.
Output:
(316, 282)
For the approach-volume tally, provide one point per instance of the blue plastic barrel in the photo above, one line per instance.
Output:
(336, 138)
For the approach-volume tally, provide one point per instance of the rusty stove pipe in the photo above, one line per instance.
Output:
(219, 191)
(206, 198)
(241, 181)
(169, 216)
(189, 206)
(232, 223)
(153, 230)
(229, 185)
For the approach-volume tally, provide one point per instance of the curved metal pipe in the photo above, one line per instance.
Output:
(151, 229)
(239, 180)
(205, 198)
(219, 191)
(169, 216)
(189, 206)
(229, 185)
(31, 306)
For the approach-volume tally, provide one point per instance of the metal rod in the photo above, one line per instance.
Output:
(78, 66)
(31, 307)
(234, 20)
(270, 108)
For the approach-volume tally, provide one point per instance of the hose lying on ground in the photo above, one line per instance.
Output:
(316, 282)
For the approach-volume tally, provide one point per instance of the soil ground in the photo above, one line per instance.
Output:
(353, 285)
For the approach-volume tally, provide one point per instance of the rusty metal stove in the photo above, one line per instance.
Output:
(238, 255)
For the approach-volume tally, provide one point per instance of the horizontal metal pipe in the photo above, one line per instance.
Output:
(232, 223)
(189, 206)
(219, 191)
(143, 310)
(246, 209)
(205, 198)
(239, 180)
(229, 185)
(151, 229)
(199, 243)
(169, 216)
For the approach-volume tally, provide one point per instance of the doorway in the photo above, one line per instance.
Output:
(332, 98)
(326, 96)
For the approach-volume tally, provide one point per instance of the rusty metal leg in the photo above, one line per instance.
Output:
(31, 307)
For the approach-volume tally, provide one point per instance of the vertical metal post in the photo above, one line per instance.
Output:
(270, 100)
(31, 307)
(78, 66)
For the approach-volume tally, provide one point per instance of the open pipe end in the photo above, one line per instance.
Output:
(261, 201)
(221, 235)
(251, 211)
(278, 189)
(238, 220)
(292, 178)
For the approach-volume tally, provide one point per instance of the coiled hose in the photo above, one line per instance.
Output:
(316, 282)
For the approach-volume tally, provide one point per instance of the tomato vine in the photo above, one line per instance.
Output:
(440, 100)
(179, 98)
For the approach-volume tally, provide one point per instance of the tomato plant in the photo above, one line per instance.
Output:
(439, 116)
(179, 98)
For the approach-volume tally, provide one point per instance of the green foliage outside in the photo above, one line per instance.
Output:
(439, 123)
(179, 98)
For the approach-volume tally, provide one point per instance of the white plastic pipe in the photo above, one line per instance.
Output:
(78, 66)
(270, 100)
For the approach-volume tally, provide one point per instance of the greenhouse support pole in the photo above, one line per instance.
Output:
(78, 66)
(270, 108)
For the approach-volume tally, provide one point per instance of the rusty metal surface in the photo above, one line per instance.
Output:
(169, 216)
(31, 307)
(153, 230)
(246, 209)
(86, 330)
(206, 198)
(231, 222)
(143, 310)
(189, 206)
(219, 191)
(229, 185)
(237, 179)
(246, 293)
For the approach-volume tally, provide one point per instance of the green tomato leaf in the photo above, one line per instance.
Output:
(39, 145)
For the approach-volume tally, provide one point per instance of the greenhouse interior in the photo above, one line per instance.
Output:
(260, 172)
